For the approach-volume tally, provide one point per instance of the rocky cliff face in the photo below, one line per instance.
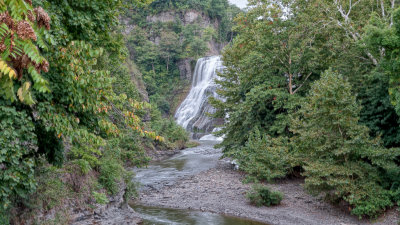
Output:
(189, 17)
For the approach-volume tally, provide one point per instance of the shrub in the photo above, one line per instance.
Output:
(261, 195)
(132, 153)
(110, 174)
(263, 157)
(100, 198)
(175, 135)
(131, 187)
(340, 160)
(112, 171)
(17, 144)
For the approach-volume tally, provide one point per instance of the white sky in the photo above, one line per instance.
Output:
(240, 3)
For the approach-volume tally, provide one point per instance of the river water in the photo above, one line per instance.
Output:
(167, 172)
(191, 115)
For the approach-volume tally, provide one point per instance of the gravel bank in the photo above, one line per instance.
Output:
(220, 190)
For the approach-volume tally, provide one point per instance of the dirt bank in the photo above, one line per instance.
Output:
(220, 190)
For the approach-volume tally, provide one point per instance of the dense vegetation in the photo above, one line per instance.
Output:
(68, 126)
(312, 87)
(261, 195)
(159, 43)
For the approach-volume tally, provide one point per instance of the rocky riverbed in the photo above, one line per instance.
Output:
(207, 190)
(219, 189)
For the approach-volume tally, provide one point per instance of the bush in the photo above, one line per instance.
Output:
(111, 172)
(175, 135)
(131, 187)
(100, 198)
(17, 145)
(263, 157)
(132, 153)
(340, 160)
(261, 195)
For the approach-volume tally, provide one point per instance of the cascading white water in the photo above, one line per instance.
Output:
(191, 114)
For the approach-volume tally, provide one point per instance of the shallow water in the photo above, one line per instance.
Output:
(188, 162)
(166, 172)
(160, 216)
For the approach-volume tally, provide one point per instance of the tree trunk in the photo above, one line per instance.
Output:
(167, 63)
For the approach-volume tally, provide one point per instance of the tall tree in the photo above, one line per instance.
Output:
(269, 66)
(338, 156)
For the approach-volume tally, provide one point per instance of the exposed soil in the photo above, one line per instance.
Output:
(221, 190)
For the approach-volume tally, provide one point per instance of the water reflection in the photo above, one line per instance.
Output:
(160, 216)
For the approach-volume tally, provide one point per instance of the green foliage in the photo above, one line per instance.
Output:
(4, 217)
(17, 145)
(132, 151)
(159, 47)
(131, 190)
(50, 145)
(111, 166)
(158, 63)
(263, 157)
(377, 113)
(81, 113)
(219, 10)
(51, 191)
(339, 158)
(192, 144)
(175, 135)
(21, 36)
(267, 74)
(272, 128)
(100, 198)
(111, 170)
(261, 195)
(82, 85)
(381, 34)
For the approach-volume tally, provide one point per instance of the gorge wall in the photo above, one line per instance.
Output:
(166, 40)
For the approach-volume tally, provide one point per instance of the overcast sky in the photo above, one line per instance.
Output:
(239, 3)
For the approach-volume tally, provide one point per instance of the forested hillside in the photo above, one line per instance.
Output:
(309, 98)
(311, 88)
(72, 118)
(166, 38)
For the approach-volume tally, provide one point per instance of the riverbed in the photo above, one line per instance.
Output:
(196, 187)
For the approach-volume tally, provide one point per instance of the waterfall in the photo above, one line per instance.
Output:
(191, 114)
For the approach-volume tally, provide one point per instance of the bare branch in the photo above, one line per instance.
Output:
(294, 92)
(354, 35)
(383, 9)
(391, 17)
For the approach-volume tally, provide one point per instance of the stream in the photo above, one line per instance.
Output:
(166, 173)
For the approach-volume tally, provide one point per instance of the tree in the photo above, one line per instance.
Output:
(22, 28)
(377, 112)
(385, 35)
(84, 46)
(337, 154)
(169, 46)
(268, 69)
